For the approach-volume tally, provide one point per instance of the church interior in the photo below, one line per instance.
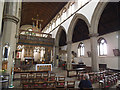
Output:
(54, 45)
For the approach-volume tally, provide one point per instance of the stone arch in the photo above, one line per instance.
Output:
(58, 35)
(57, 38)
(94, 32)
(96, 16)
(73, 23)
(70, 35)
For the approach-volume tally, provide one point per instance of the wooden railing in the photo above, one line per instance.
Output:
(35, 38)
(41, 34)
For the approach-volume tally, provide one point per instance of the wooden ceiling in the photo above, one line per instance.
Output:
(46, 11)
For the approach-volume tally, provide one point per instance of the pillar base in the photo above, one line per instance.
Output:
(11, 86)
(56, 64)
(95, 69)
(69, 66)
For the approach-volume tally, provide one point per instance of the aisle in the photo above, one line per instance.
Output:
(60, 72)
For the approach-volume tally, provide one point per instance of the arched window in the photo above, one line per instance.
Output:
(81, 49)
(102, 47)
(6, 50)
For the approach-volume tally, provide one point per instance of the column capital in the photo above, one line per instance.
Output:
(93, 34)
(69, 42)
(11, 18)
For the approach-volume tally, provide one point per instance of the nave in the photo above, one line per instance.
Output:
(79, 40)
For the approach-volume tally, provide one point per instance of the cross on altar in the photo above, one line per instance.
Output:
(37, 22)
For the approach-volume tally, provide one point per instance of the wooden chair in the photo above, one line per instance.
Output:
(23, 75)
(70, 84)
(28, 85)
(52, 77)
(61, 82)
(31, 75)
(38, 77)
(61, 78)
(50, 84)
(52, 74)
(23, 79)
(38, 84)
(45, 77)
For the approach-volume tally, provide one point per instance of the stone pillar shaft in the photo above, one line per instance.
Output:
(1, 15)
(119, 49)
(0, 61)
(69, 63)
(56, 60)
(94, 52)
(9, 31)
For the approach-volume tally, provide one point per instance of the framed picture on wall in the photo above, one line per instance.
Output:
(89, 53)
(116, 52)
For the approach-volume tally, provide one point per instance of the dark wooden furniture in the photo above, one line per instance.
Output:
(76, 70)
(80, 65)
(4, 80)
(30, 71)
(45, 76)
(102, 66)
(70, 84)
(60, 82)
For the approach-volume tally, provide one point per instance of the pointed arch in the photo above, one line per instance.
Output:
(96, 16)
(73, 23)
(57, 38)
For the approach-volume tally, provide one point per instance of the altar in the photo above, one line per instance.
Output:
(43, 67)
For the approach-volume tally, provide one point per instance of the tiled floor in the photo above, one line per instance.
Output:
(60, 72)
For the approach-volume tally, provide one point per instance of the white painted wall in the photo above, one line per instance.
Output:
(110, 59)
(64, 56)
(112, 43)
(87, 11)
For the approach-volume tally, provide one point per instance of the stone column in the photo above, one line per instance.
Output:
(1, 15)
(9, 30)
(69, 62)
(56, 58)
(94, 52)
(0, 61)
(118, 48)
